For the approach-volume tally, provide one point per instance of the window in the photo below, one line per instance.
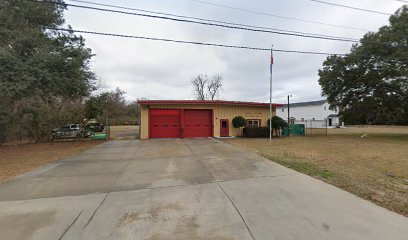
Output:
(302, 119)
(253, 123)
(283, 110)
(325, 108)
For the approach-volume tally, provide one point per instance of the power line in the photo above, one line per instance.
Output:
(238, 26)
(209, 20)
(278, 16)
(255, 29)
(393, 60)
(350, 7)
(284, 32)
(192, 42)
(209, 23)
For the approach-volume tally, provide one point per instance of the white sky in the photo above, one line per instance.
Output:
(159, 70)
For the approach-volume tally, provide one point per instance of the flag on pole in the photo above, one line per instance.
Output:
(271, 60)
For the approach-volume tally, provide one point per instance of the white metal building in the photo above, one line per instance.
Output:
(319, 111)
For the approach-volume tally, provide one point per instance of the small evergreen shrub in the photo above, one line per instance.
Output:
(239, 121)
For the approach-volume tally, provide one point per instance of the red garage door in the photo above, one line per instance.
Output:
(165, 123)
(197, 123)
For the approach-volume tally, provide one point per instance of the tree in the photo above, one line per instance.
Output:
(199, 82)
(214, 86)
(277, 124)
(113, 105)
(370, 85)
(95, 106)
(41, 70)
(239, 121)
(206, 89)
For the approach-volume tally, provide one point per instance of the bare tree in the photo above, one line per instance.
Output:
(214, 86)
(203, 88)
(199, 83)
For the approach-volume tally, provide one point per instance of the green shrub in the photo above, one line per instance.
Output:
(277, 122)
(277, 125)
(256, 132)
(239, 121)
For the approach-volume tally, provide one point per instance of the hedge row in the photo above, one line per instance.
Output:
(256, 132)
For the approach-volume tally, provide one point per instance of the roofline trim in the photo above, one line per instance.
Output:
(202, 102)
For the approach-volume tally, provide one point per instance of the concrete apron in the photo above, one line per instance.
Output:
(183, 189)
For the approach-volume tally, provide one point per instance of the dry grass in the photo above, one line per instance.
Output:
(374, 167)
(371, 130)
(125, 132)
(18, 159)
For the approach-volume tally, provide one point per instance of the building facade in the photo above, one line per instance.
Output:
(318, 112)
(194, 119)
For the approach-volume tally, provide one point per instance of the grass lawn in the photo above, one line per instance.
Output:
(374, 167)
(18, 159)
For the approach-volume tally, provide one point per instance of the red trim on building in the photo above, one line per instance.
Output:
(203, 102)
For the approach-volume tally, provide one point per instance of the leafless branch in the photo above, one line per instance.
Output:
(214, 86)
(199, 82)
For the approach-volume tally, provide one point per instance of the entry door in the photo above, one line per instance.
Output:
(330, 122)
(224, 128)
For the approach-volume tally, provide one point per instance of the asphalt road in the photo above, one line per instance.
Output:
(183, 189)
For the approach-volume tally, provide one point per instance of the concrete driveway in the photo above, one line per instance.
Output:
(183, 189)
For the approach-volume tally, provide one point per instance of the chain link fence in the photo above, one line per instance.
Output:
(314, 127)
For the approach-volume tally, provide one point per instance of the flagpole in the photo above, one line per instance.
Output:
(270, 97)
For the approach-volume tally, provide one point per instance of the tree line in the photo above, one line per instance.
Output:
(112, 106)
(45, 75)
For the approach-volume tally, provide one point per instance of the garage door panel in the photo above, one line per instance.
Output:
(165, 123)
(197, 123)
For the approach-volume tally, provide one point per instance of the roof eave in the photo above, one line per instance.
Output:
(201, 102)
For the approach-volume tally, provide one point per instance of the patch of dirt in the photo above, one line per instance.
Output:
(374, 167)
(19, 159)
(128, 132)
(129, 217)
(151, 213)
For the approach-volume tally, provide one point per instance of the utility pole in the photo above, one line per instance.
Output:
(289, 115)
(270, 97)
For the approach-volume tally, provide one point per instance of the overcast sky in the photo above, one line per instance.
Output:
(160, 70)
